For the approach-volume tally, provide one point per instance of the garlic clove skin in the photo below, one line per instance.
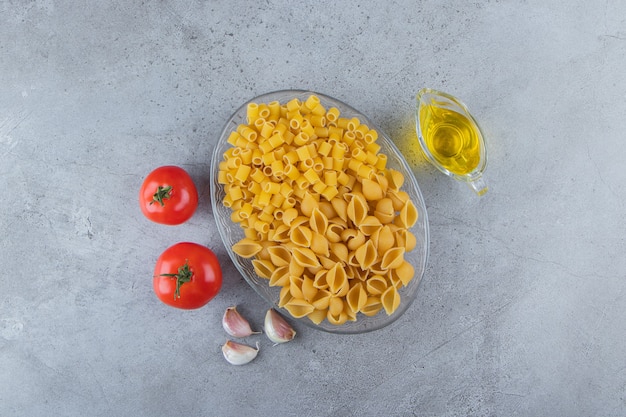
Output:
(239, 354)
(276, 327)
(235, 324)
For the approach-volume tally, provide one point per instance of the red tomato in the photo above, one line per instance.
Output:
(187, 276)
(168, 196)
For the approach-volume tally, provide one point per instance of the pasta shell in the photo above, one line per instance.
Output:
(356, 240)
(263, 268)
(372, 306)
(357, 209)
(327, 209)
(366, 255)
(280, 277)
(295, 286)
(395, 178)
(356, 297)
(370, 225)
(321, 300)
(319, 281)
(384, 239)
(337, 280)
(376, 284)
(384, 211)
(404, 273)
(279, 255)
(305, 257)
(318, 221)
(333, 233)
(317, 316)
(408, 215)
(372, 191)
(308, 289)
(339, 252)
(301, 236)
(390, 300)
(247, 248)
(298, 307)
(295, 268)
(307, 204)
(284, 297)
(335, 306)
(319, 244)
(406, 239)
(393, 258)
(280, 233)
(341, 208)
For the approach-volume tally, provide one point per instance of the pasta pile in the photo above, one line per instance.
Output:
(322, 215)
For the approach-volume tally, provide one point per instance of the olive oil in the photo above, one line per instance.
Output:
(452, 138)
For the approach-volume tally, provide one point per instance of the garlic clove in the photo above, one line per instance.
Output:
(239, 354)
(235, 324)
(276, 327)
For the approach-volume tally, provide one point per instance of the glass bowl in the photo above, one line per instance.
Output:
(232, 232)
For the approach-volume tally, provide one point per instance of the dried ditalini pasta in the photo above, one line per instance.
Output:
(324, 219)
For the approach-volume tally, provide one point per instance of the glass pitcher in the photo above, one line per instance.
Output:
(450, 138)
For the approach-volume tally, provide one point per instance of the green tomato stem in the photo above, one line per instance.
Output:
(162, 193)
(184, 275)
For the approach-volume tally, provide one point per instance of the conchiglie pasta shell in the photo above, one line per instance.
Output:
(308, 204)
(333, 233)
(372, 306)
(404, 273)
(337, 280)
(398, 199)
(396, 179)
(356, 297)
(406, 239)
(318, 221)
(263, 268)
(298, 307)
(341, 208)
(384, 211)
(393, 258)
(408, 215)
(280, 233)
(339, 252)
(321, 300)
(247, 248)
(308, 289)
(295, 268)
(335, 306)
(280, 277)
(319, 244)
(357, 209)
(301, 236)
(305, 257)
(284, 297)
(355, 240)
(366, 255)
(390, 300)
(376, 284)
(383, 239)
(369, 225)
(317, 316)
(319, 281)
(279, 255)
(295, 286)
(372, 191)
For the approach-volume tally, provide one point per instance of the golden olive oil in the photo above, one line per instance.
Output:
(451, 137)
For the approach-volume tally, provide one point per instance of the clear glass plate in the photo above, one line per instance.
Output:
(231, 232)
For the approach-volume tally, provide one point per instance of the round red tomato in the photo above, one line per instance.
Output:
(187, 276)
(168, 196)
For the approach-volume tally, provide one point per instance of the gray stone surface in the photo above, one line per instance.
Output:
(522, 310)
